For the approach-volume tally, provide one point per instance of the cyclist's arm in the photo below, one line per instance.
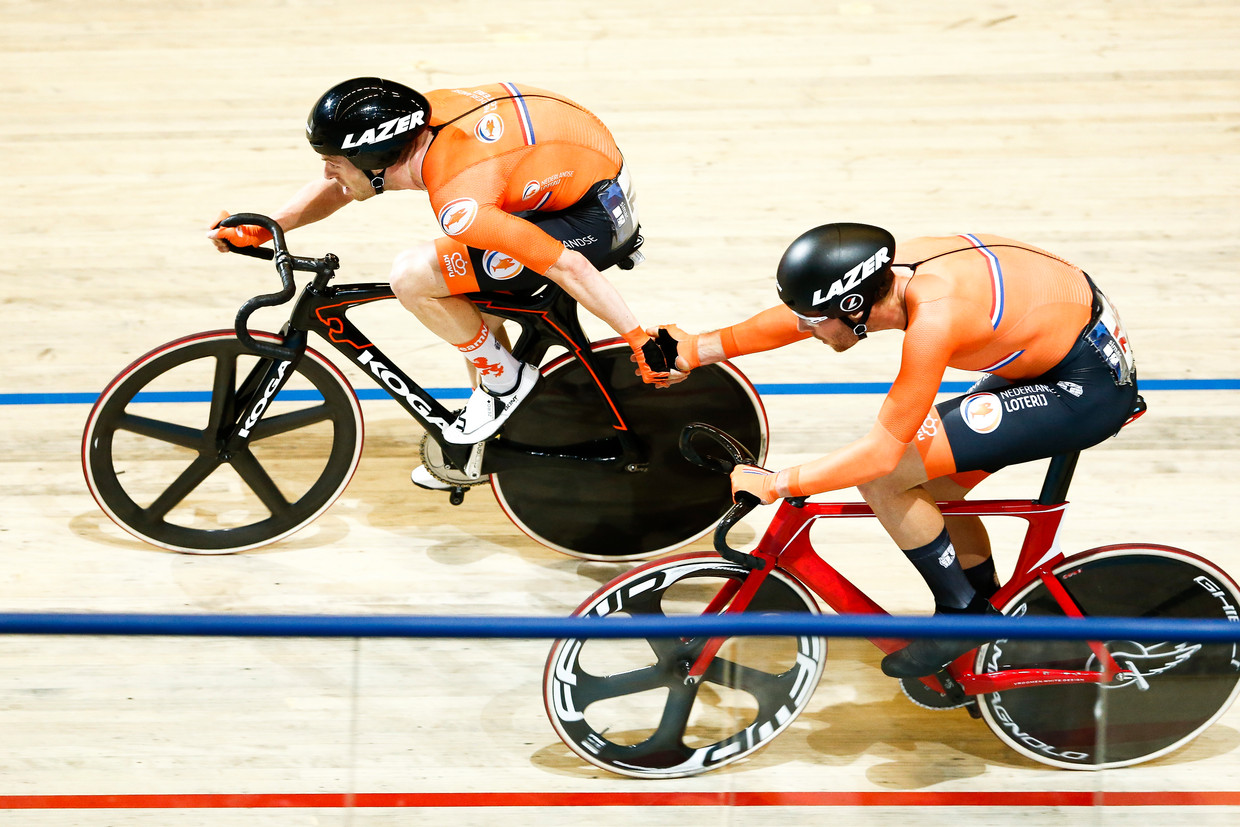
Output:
(592, 290)
(874, 455)
(774, 327)
(313, 202)
(923, 362)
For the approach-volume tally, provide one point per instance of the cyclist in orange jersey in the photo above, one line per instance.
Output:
(1059, 377)
(527, 187)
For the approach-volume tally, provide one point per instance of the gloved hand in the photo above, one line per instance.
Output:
(686, 348)
(244, 236)
(757, 481)
(651, 362)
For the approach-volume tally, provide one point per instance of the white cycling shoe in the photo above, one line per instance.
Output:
(487, 411)
(425, 479)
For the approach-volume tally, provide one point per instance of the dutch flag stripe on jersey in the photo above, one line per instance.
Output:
(996, 280)
(523, 113)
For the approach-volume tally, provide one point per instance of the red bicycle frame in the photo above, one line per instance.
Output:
(786, 545)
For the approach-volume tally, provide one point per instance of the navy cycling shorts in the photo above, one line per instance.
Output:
(1001, 422)
(601, 226)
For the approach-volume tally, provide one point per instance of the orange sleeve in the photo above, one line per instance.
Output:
(874, 455)
(774, 327)
(927, 347)
(495, 229)
(468, 194)
(469, 211)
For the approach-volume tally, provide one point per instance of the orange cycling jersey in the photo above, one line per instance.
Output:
(974, 302)
(502, 149)
(996, 306)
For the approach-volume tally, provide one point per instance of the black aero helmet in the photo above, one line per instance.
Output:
(835, 271)
(367, 120)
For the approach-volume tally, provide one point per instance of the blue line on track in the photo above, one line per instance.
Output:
(769, 389)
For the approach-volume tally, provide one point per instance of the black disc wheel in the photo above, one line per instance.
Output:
(1174, 690)
(624, 705)
(154, 449)
(604, 512)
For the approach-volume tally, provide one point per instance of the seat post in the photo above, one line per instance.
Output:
(1058, 478)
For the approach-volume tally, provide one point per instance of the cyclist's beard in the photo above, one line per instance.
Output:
(359, 193)
(357, 186)
(835, 335)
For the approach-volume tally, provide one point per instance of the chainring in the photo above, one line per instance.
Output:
(437, 465)
(925, 697)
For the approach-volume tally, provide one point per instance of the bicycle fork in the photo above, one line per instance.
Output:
(733, 598)
(264, 382)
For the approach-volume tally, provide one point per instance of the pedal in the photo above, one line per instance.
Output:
(457, 495)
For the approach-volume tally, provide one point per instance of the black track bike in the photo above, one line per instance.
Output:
(227, 440)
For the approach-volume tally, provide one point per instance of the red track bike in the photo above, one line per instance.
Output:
(663, 708)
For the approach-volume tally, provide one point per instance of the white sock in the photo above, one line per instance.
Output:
(497, 369)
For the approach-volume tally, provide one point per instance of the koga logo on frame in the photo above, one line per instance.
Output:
(397, 385)
(268, 393)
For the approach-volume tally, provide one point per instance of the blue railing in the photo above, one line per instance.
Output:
(435, 626)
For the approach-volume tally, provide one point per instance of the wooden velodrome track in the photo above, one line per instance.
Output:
(1107, 132)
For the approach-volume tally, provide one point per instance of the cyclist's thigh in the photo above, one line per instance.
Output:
(1001, 422)
(584, 227)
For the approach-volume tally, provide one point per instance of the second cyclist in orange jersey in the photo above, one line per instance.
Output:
(527, 186)
(1007, 311)
(1058, 376)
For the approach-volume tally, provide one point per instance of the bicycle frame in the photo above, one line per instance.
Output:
(547, 318)
(786, 545)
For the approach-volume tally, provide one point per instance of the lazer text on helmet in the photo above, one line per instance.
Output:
(385, 130)
(853, 277)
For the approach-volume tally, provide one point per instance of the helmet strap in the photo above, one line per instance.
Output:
(859, 327)
(376, 180)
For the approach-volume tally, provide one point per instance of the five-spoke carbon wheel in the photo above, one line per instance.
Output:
(155, 457)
